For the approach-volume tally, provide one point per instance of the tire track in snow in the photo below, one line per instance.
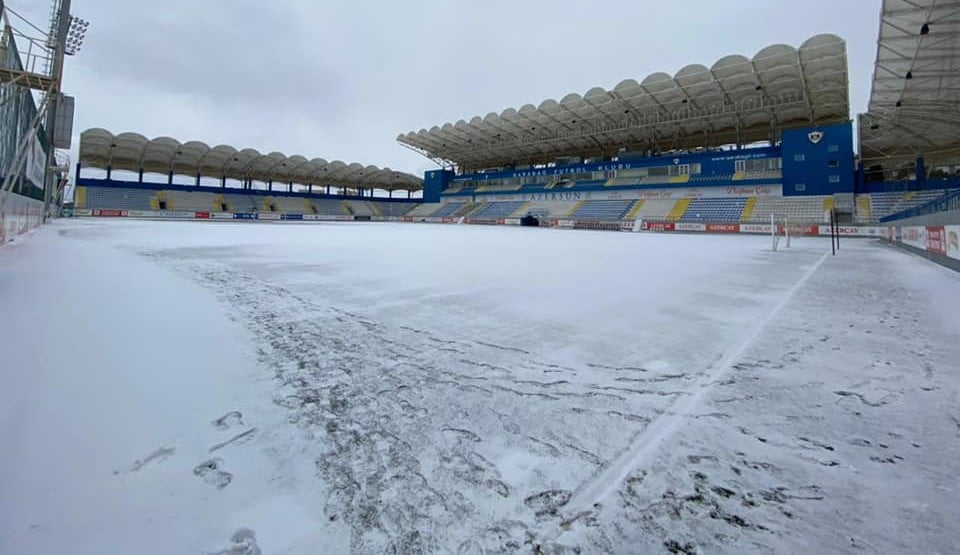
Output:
(590, 495)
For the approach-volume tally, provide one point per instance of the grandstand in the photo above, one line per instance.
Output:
(751, 137)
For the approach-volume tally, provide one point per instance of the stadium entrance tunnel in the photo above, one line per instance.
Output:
(530, 221)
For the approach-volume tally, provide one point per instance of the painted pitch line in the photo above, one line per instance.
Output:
(645, 444)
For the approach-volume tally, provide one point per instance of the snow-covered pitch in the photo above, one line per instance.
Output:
(186, 387)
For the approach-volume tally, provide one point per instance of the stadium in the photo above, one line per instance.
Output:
(706, 311)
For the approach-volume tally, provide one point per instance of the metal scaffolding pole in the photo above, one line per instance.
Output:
(59, 37)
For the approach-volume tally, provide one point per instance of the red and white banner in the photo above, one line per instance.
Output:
(936, 241)
(201, 215)
(952, 236)
(754, 228)
(723, 228)
(658, 226)
(109, 213)
(915, 236)
(856, 231)
(690, 226)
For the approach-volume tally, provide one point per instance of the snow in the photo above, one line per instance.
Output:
(201, 387)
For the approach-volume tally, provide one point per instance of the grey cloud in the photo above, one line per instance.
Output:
(342, 79)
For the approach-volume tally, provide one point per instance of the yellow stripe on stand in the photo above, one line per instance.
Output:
(748, 209)
(678, 209)
(632, 214)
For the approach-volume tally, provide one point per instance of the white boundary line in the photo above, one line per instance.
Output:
(645, 444)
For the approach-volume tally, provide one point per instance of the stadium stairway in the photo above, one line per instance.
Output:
(575, 207)
(678, 209)
(521, 211)
(864, 210)
(655, 209)
(748, 209)
(632, 214)
(827, 205)
(220, 203)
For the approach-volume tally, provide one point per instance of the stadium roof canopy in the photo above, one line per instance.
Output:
(736, 100)
(100, 148)
(915, 101)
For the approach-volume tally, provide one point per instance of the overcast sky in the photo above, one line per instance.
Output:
(340, 80)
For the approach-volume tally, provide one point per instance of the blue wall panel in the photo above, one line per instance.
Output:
(818, 160)
(435, 181)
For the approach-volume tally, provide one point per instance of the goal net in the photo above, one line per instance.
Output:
(779, 231)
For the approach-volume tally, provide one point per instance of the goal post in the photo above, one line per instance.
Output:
(779, 230)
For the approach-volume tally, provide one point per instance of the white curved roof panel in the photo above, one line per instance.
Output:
(100, 148)
(738, 98)
(915, 99)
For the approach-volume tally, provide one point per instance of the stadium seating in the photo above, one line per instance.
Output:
(494, 210)
(550, 208)
(602, 209)
(190, 201)
(654, 209)
(449, 209)
(796, 209)
(882, 203)
(425, 210)
(394, 209)
(714, 210)
(916, 198)
(115, 198)
(327, 207)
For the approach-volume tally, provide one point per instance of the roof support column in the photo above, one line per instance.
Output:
(309, 188)
(139, 175)
(198, 180)
(921, 173)
(110, 170)
(170, 178)
(76, 180)
(223, 181)
(328, 189)
(270, 185)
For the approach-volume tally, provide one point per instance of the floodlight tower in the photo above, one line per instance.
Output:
(41, 69)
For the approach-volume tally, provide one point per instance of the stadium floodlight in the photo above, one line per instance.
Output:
(75, 35)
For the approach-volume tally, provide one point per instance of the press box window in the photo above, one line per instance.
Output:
(799, 157)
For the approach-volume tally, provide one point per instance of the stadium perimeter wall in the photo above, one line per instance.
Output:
(18, 215)
(939, 243)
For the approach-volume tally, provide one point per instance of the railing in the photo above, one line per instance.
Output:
(949, 201)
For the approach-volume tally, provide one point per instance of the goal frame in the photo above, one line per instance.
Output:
(779, 228)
